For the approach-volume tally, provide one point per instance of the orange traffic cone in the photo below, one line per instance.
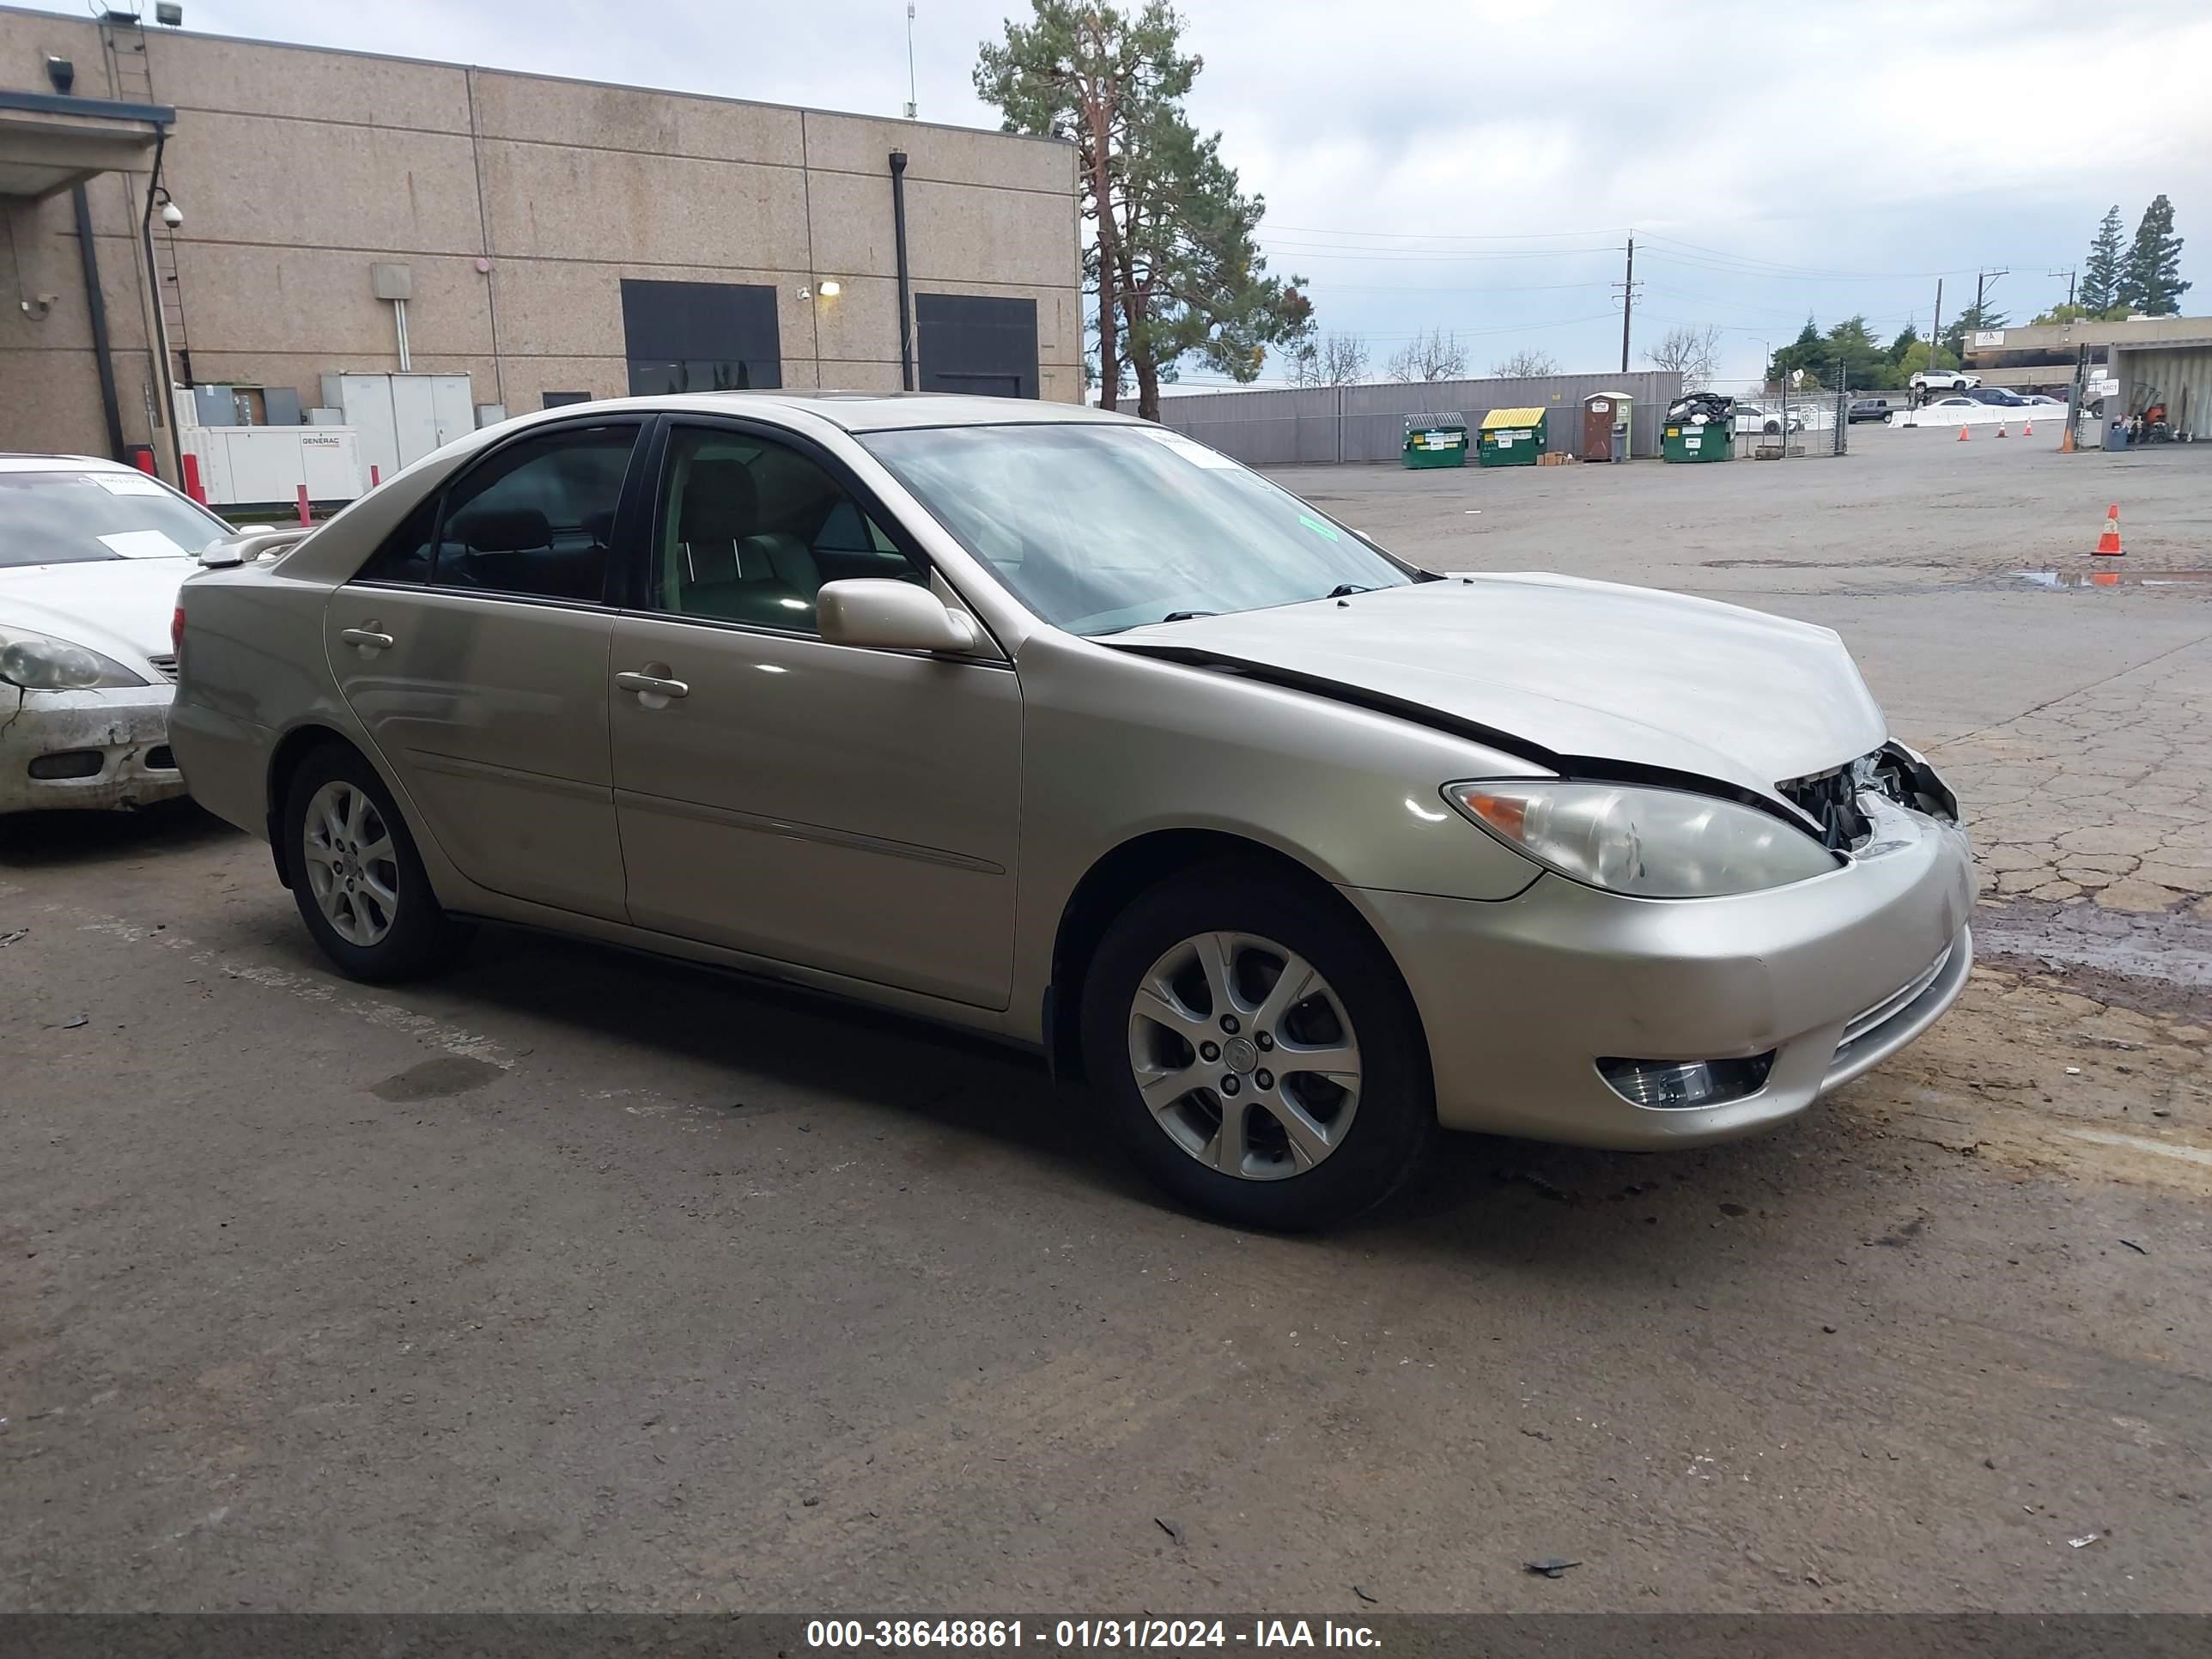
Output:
(2002, 433)
(1962, 432)
(2027, 428)
(2108, 545)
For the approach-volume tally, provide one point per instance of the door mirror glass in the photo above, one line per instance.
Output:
(889, 615)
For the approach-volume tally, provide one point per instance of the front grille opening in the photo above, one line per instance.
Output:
(68, 764)
(1676, 1085)
(166, 666)
(161, 758)
(1830, 799)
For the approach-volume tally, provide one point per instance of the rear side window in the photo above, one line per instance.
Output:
(535, 518)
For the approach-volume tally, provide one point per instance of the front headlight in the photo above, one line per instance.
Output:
(1648, 843)
(39, 662)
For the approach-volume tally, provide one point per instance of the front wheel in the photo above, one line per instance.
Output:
(1257, 1051)
(355, 874)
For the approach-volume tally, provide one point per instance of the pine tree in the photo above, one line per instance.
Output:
(2151, 283)
(1173, 257)
(2100, 273)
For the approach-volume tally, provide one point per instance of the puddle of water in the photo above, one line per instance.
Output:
(2176, 948)
(2115, 578)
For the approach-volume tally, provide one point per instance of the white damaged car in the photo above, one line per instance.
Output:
(91, 555)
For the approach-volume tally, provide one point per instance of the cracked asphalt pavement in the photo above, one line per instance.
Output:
(575, 1280)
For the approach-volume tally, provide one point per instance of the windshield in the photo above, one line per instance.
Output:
(1099, 528)
(67, 518)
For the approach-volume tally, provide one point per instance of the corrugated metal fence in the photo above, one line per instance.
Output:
(1321, 424)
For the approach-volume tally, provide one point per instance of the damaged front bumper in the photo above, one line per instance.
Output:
(97, 750)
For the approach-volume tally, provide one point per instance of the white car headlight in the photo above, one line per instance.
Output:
(1647, 843)
(39, 662)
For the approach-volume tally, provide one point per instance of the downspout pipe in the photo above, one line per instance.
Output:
(905, 288)
(95, 304)
(165, 409)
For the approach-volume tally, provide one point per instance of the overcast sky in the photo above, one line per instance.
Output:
(1477, 167)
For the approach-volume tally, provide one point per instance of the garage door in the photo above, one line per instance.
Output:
(977, 343)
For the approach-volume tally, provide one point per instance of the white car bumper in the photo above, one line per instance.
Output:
(96, 750)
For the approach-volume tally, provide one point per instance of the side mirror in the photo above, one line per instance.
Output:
(890, 616)
(248, 543)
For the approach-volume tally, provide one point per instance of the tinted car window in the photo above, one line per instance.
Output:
(69, 518)
(537, 516)
(406, 554)
(749, 530)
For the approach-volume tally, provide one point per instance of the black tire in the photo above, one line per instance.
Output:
(423, 937)
(1395, 1120)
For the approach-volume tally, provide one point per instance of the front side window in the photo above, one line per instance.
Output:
(749, 530)
(537, 516)
(74, 517)
(1099, 528)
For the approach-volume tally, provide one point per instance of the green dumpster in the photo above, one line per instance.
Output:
(1511, 437)
(1685, 440)
(1435, 439)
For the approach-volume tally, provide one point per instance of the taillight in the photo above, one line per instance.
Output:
(177, 632)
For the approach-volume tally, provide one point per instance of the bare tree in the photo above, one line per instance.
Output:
(1692, 353)
(1435, 355)
(1337, 359)
(1526, 364)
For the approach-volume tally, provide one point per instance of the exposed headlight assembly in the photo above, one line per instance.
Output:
(39, 662)
(1647, 843)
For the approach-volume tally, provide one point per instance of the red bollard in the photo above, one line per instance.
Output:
(375, 478)
(304, 516)
(193, 487)
(143, 458)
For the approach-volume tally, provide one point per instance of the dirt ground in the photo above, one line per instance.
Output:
(578, 1280)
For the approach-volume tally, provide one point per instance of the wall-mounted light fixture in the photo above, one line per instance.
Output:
(831, 288)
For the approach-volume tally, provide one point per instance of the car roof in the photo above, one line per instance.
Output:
(869, 412)
(19, 461)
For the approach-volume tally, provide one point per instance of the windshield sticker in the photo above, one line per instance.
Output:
(126, 484)
(1196, 454)
(143, 544)
(1320, 527)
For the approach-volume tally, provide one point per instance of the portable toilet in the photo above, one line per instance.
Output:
(1511, 437)
(1435, 439)
(1605, 427)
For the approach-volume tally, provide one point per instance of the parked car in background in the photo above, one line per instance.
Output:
(2002, 396)
(1869, 409)
(1750, 417)
(1943, 379)
(91, 554)
(1055, 724)
(2043, 400)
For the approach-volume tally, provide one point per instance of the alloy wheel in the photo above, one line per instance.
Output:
(352, 868)
(1244, 1055)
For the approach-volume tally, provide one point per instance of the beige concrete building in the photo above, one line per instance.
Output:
(552, 238)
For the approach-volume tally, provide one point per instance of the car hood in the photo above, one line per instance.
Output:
(1582, 671)
(118, 607)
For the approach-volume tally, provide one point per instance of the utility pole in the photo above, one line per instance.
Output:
(2070, 276)
(1627, 301)
(1982, 279)
(1935, 334)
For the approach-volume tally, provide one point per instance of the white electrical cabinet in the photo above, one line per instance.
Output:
(401, 417)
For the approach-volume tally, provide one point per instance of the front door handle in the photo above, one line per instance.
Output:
(367, 638)
(651, 686)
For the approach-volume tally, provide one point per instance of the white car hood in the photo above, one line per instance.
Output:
(1582, 670)
(118, 607)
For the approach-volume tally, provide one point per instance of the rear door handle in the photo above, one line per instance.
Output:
(367, 638)
(650, 685)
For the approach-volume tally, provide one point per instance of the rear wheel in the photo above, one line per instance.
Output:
(356, 875)
(1257, 1051)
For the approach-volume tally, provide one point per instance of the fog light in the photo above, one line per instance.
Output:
(1667, 1083)
(72, 763)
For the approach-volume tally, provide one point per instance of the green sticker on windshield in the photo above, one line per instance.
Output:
(1320, 527)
